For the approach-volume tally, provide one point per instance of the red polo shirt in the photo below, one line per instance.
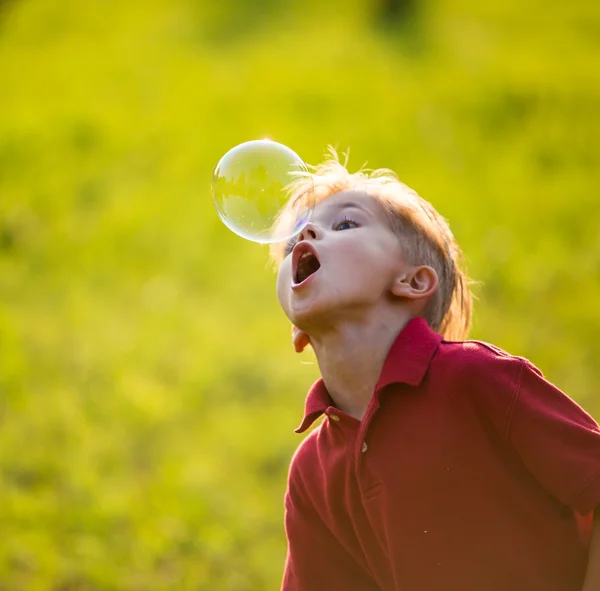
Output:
(468, 472)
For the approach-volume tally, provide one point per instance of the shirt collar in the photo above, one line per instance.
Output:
(406, 362)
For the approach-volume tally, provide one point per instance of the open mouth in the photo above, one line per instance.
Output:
(304, 262)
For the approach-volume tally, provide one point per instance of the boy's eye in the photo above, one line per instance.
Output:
(346, 224)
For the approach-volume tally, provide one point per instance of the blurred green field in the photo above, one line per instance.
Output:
(148, 388)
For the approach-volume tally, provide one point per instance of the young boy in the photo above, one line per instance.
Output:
(441, 464)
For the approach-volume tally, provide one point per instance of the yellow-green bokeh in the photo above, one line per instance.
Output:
(148, 387)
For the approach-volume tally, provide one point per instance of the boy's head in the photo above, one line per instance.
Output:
(377, 245)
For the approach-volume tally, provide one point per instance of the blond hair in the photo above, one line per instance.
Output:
(425, 235)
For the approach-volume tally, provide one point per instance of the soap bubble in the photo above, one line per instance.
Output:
(252, 195)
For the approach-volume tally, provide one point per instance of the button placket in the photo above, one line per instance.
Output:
(361, 444)
(367, 481)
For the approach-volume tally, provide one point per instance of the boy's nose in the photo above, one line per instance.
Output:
(309, 232)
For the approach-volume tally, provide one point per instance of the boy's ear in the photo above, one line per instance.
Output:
(300, 339)
(416, 283)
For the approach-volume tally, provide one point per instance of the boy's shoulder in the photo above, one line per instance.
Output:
(476, 349)
(479, 366)
(473, 355)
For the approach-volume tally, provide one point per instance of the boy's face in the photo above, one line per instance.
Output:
(358, 255)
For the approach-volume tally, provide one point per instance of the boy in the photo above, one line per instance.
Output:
(441, 464)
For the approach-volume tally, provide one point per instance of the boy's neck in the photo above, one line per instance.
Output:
(351, 357)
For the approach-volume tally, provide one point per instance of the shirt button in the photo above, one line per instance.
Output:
(364, 447)
(334, 418)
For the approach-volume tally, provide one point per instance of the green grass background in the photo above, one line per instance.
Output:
(148, 388)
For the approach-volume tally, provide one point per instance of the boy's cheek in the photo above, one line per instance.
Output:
(280, 286)
(300, 339)
(283, 292)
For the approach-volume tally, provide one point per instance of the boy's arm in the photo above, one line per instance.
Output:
(592, 577)
(316, 561)
(556, 439)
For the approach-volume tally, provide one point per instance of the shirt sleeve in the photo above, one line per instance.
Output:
(316, 561)
(556, 439)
